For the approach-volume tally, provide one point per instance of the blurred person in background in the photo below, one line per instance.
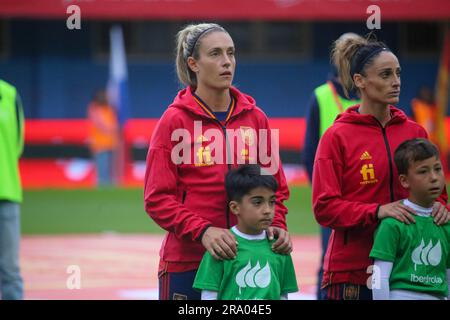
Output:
(327, 101)
(424, 110)
(187, 198)
(353, 180)
(11, 147)
(103, 136)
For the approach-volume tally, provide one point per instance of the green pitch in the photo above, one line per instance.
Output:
(122, 211)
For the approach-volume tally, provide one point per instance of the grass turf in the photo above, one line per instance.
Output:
(122, 210)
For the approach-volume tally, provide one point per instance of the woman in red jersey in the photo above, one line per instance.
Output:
(209, 128)
(355, 181)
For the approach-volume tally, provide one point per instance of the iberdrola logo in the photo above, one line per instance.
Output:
(255, 277)
(428, 255)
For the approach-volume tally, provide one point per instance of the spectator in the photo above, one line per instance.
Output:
(11, 147)
(103, 136)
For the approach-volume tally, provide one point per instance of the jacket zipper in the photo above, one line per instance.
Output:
(228, 154)
(184, 197)
(391, 172)
(228, 151)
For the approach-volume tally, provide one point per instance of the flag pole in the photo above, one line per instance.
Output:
(118, 96)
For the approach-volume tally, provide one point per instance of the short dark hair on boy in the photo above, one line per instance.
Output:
(241, 181)
(413, 150)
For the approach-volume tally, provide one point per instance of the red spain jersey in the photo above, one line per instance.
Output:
(189, 155)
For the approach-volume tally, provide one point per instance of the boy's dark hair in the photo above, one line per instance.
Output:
(413, 150)
(241, 181)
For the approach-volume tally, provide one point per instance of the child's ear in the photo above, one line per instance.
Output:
(234, 207)
(404, 181)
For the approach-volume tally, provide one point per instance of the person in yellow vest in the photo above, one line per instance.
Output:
(327, 101)
(11, 147)
(424, 111)
(103, 136)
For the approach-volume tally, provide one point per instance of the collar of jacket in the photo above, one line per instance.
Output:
(351, 115)
(186, 101)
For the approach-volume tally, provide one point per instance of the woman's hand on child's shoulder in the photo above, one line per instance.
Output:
(283, 244)
(220, 243)
(396, 210)
(440, 214)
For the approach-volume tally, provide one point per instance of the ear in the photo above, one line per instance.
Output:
(404, 181)
(234, 207)
(359, 81)
(192, 64)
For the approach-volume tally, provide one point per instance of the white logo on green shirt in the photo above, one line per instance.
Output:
(253, 277)
(428, 255)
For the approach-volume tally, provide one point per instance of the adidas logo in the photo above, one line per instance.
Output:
(255, 277)
(365, 156)
(428, 255)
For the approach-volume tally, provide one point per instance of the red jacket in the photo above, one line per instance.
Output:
(184, 199)
(355, 173)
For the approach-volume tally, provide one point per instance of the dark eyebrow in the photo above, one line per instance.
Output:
(389, 69)
(424, 166)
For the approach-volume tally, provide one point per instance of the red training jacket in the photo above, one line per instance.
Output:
(186, 198)
(355, 173)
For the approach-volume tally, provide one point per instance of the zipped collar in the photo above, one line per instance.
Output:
(185, 100)
(351, 115)
(208, 110)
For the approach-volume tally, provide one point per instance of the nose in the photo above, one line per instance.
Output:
(397, 81)
(268, 209)
(226, 60)
(434, 176)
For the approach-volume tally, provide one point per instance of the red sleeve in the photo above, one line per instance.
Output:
(160, 190)
(282, 193)
(330, 209)
(443, 198)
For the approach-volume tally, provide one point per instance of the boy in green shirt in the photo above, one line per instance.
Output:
(412, 261)
(257, 272)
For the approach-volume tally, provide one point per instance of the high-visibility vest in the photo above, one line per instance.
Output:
(11, 143)
(330, 105)
(101, 140)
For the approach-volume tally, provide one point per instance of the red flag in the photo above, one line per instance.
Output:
(442, 88)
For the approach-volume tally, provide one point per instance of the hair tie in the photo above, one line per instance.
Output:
(196, 39)
(358, 66)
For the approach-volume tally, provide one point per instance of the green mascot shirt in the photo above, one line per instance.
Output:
(419, 252)
(257, 273)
